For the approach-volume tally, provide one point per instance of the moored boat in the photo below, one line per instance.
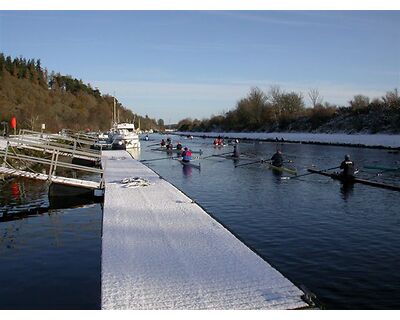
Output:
(127, 133)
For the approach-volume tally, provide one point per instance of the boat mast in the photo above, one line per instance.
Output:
(115, 112)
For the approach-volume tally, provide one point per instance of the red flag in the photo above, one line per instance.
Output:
(14, 122)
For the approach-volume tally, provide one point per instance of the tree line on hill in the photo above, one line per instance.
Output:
(277, 110)
(35, 97)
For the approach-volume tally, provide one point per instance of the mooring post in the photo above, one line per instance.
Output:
(5, 154)
(51, 164)
(55, 163)
(73, 153)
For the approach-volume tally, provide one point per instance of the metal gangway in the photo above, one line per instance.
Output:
(78, 135)
(12, 153)
(48, 142)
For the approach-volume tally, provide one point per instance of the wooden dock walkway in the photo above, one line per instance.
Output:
(162, 251)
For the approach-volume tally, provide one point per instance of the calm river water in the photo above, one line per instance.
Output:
(343, 244)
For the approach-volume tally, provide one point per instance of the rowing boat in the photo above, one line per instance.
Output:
(175, 150)
(337, 176)
(282, 169)
(166, 150)
(189, 164)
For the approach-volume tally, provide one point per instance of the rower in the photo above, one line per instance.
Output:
(169, 146)
(186, 155)
(178, 146)
(277, 159)
(162, 143)
(347, 167)
(236, 152)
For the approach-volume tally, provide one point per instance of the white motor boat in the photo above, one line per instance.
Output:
(125, 136)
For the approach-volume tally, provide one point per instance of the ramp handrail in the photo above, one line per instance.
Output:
(54, 147)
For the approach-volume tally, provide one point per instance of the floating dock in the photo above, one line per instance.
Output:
(160, 250)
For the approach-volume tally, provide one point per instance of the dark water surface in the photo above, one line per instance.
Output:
(49, 258)
(343, 244)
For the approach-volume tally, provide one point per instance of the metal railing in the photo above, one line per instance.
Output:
(32, 137)
(53, 163)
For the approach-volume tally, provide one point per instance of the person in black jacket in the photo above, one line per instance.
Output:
(347, 167)
(277, 159)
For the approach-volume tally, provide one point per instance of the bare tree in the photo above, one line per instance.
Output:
(392, 98)
(315, 97)
(274, 94)
(359, 101)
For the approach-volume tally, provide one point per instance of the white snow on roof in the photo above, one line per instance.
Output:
(162, 251)
(383, 140)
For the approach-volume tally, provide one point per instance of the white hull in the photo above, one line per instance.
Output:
(127, 132)
(132, 143)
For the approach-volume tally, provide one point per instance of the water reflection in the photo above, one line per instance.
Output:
(73, 202)
(21, 198)
(346, 189)
(235, 161)
(15, 190)
(187, 171)
(277, 175)
(47, 253)
(22, 213)
(134, 152)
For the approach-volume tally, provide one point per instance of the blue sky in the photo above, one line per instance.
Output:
(178, 64)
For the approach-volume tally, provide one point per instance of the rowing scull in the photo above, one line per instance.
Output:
(339, 177)
(189, 164)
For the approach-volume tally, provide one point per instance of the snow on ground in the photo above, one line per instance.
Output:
(3, 143)
(162, 251)
(376, 140)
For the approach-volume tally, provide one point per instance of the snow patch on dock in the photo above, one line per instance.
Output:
(162, 251)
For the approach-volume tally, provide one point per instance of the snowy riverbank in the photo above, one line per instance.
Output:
(367, 140)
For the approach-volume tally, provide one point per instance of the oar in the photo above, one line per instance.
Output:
(152, 145)
(216, 155)
(158, 159)
(307, 174)
(249, 163)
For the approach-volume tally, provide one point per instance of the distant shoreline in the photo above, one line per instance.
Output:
(375, 141)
